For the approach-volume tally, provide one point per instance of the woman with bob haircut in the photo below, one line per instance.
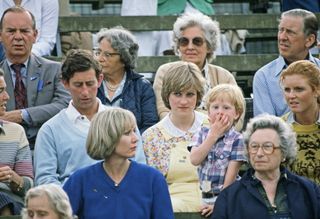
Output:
(267, 189)
(49, 201)
(300, 83)
(117, 187)
(196, 38)
(165, 144)
(117, 53)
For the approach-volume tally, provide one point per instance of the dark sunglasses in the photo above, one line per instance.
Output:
(197, 41)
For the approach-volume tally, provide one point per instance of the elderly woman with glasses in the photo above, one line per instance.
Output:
(117, 53)
(196, 38)
(268, 189)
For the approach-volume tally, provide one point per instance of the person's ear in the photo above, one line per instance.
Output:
(65, 84)
(237, 115)
(35, 34)
(310, 40)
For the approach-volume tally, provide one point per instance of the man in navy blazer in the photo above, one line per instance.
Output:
(46, 95)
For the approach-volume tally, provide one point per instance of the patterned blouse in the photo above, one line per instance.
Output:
(160, 138)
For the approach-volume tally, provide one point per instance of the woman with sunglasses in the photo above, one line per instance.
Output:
(301, 87)
(196, 38)
(268, 190)
(117, 53)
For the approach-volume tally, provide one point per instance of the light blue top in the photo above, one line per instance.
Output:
(60, 148)
(267, 93)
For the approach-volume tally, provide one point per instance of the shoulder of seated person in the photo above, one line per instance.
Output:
(218, 68)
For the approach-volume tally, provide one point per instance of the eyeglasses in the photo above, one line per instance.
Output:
(197, 41)
(105, 54)
(267, 147)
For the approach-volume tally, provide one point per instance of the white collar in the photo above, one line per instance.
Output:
(73, 114)
(175, 132)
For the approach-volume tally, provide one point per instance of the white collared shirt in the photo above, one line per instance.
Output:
(80, 121)
(176, 132)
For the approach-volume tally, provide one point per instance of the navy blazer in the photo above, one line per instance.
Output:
(45, 92)
(242, 200)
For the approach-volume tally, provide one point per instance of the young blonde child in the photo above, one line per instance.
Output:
(219, 150)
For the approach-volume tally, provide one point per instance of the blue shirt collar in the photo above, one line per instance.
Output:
(281, 64)
(23, 69)
(25, 63)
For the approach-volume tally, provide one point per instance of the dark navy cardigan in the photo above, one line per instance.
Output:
(138, 97)
(242, 200)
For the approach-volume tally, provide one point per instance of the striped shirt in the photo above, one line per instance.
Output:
(16, 154)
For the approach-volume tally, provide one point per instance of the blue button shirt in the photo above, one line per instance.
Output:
(267, 94)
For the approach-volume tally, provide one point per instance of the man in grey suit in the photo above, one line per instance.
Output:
(35, 84)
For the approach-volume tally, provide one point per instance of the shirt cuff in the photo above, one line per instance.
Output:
(26, 117)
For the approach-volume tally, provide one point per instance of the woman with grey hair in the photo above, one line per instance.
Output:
(122, 87)
(196, 38)
(47, 201)
(268, 189)
(117, 187)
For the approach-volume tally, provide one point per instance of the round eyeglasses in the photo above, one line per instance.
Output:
(197, 41)
(267, 147)
(105, 54)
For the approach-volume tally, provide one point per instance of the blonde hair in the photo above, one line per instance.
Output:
(105, 131)
(182, 76)
(232, 92)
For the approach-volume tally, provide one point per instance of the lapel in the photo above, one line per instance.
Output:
(34, 77)
(11, 105)
(34, 74)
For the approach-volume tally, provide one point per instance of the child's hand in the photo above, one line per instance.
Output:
(206, 210)
(219, 125)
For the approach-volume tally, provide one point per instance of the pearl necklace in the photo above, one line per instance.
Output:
(112, 88)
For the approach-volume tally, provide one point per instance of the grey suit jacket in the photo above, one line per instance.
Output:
(45, 92)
